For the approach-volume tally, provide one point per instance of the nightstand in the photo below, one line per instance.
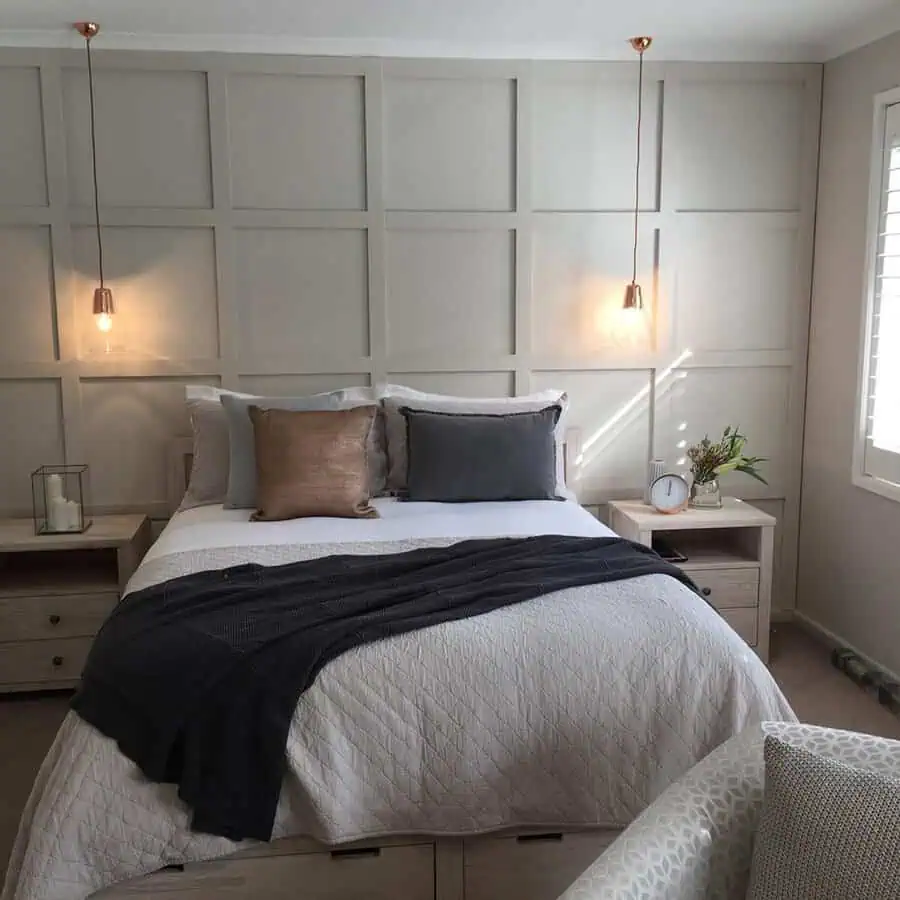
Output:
(55, 593)
(729, 556)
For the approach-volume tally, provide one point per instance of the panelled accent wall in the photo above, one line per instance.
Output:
(281, 225)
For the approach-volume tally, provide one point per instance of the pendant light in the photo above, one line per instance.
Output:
(104, 306)
(634, 295)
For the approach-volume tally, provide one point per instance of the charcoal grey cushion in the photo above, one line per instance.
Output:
(471, 457)
(828, 830)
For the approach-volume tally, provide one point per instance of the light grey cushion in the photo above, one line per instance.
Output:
(242, 470)
(828, 831)
(471, 457)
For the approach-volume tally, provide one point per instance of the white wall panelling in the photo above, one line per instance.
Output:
(23, 180)
(288, 224)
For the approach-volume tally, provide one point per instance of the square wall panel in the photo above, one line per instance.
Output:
(610, 410)
(449, 144)
(302, 294)
(23, 179)
(28, 332)
(152, 138)
(299, 385)
(737, 286)
(451, 292)
(458, 384)
(581, 268)
(31, 413)
(129, 424)
(164, 286)
(740, 146)
(297, 142)
(693, 403)
(583, 140)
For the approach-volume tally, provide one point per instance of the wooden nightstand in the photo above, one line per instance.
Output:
(55, 593)
(729, 553)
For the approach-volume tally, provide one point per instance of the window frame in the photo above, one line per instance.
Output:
(861, 478)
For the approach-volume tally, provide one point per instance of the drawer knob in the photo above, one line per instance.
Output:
(57, 661)
(706, 591)
(54, 620)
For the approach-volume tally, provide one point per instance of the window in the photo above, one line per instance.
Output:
(877, 457)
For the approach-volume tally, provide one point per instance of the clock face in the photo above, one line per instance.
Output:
(669, 494)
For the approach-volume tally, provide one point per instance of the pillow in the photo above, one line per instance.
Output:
(312, 463)
(396, 396)
(209, 469)
(828, 830)
(242, 471)
(471, 457)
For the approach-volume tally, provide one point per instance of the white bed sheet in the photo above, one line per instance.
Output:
(206, 527)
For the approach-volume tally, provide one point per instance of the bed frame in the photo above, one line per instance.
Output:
(520, 864)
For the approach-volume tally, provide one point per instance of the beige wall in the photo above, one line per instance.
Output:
(287, 224)
(849, 577)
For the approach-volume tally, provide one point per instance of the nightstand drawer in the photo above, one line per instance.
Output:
(35, 663)
(42, 618)
(744, 622)
(727, 588)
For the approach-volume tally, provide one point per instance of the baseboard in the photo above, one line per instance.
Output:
(782, 616)
(832, 640)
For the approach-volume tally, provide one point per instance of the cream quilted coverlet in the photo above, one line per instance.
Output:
(577, 708)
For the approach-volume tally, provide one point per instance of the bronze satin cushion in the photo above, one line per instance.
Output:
(312, 463)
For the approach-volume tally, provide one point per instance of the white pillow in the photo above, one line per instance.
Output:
(396, 396)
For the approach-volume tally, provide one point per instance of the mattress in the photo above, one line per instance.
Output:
(576, 709)
(205, 527)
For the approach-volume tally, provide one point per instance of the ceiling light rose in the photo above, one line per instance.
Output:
(104, 306)
(634, 295)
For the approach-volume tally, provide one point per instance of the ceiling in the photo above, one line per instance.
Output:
(789, 30)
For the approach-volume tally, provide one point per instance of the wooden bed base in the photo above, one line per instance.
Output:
(519, 865)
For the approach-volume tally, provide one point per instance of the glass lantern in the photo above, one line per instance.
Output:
(59, 499)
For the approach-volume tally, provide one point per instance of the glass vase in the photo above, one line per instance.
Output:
(706, 495)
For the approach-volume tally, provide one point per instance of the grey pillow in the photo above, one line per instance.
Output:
(828, 831)
(242, 471)
(471, 457)
(209, 471)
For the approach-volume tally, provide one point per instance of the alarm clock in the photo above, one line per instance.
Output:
(669, 493)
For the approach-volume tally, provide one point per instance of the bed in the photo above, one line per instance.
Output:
(562, 719)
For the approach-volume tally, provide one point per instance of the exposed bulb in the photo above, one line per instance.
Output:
(104, 322)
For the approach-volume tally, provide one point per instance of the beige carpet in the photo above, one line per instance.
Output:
(819, 694)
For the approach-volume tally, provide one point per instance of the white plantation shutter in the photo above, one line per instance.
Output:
(881, 389)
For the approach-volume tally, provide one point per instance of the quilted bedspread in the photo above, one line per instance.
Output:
(575, 709)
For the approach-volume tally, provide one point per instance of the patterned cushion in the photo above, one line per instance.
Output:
(828, 830)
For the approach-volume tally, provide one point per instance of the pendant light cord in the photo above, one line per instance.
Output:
(637, 170)
(90, 67)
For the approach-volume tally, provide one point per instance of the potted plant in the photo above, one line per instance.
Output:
(710, 460)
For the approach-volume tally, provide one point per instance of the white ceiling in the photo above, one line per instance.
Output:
(789, 30)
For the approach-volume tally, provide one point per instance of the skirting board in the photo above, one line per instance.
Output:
(782, 616)
(832, 640)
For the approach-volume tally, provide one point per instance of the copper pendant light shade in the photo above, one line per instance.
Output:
(104, 306)
(634, 295)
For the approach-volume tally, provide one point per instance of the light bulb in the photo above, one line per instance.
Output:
(104, 322)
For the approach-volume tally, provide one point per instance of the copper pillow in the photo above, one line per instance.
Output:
(312, 463)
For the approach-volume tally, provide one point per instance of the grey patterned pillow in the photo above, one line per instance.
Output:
(828, 831)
